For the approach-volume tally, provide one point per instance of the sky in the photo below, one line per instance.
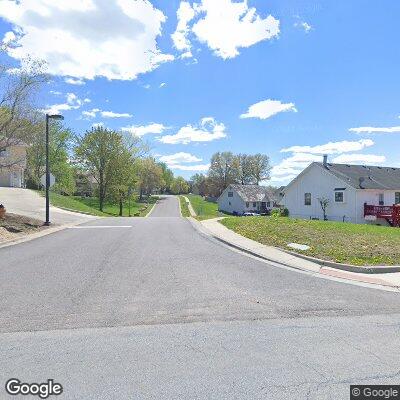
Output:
(290, 79)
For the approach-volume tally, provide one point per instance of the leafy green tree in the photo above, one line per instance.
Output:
(150, 176)
(179, 186)
(224, 170)
(97, 152)
(124, 177)
(60, 141)
(168, 177)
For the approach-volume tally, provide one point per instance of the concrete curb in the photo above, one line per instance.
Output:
(346, 267)
(318, 263)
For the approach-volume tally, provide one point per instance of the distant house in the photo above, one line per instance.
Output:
(12, 166)
(356, 193)
(238, 199)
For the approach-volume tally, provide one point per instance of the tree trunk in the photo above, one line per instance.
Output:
(120, 206)
(101, 191)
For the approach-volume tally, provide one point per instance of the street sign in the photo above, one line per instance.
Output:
(43, 180)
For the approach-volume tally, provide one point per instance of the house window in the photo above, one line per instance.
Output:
(381, 199)
(339, 197)
(268, 204)
(230, 194)
(247, 204)
(397, 198)
(307, 199)
(254, 204)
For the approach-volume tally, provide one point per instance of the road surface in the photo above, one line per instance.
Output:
(150, 308)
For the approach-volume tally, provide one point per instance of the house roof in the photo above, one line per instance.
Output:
(253, 192)
(365, 176)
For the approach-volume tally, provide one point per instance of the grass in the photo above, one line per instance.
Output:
(204, 209)
(184, 207)
(333, 241)
(90, 205)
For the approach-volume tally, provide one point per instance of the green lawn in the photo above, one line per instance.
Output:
(204, 209)
(184, 207)
(90, 205)
(334, 241)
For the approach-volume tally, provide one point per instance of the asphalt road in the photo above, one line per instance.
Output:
(150, 308)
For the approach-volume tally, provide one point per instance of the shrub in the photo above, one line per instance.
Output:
(276, 212)
(284, 212)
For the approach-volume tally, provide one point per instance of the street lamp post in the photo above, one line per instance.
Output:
(48, 117)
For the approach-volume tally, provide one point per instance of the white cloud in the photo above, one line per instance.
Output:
(162, 84)
(90, 114)
(371, 129)
(73, 81)
(112, 114)
(303, 156)
(179, 161)
(138, 130)
(303, 25)
(88, 38)
(224, 25)
(98, 125)
(359, 158)
(207, 131)
(179, 158)
(184, 14)
(197, 167)
(72, 103)
(267, 108)
(331, 147)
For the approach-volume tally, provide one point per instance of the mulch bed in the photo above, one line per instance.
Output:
(13, 226)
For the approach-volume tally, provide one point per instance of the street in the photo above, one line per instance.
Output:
(151, 308)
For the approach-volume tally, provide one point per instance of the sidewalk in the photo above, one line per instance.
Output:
(191, 209)
(276, 255)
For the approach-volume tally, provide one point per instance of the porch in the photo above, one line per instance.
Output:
(390, 213)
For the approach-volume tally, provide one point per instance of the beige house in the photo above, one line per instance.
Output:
(12, 166)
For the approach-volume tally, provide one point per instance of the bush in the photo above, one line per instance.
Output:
(279, 212)
(276, 212)
(284, 212)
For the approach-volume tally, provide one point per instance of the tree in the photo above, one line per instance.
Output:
(246, 174)
(97, 152)
(168, 177)
(324, 203)
(199, 184)
(123, 178)
(17, 118)
(179, 186)
(60, 141)
(150, 176)
(259, 168)
(224, 170)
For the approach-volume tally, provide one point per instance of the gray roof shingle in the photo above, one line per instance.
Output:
(365, 176)
(253, 192)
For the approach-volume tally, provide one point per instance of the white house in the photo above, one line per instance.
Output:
(350, 189)
(238, 199)
(12, 165)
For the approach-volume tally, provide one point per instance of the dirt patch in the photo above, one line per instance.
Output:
(13, 226)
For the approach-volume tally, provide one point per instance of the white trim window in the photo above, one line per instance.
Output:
(307, 199)
(397, 198)
(381, 199)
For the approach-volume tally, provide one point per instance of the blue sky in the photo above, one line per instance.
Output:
(312, 70)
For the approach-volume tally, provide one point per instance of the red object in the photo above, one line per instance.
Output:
(390, 213)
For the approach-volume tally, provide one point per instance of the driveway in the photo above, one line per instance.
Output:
(29, 203)
(150, 308)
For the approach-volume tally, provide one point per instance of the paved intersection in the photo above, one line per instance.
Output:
(147, 308)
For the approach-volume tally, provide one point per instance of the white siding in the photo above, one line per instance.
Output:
(320, 183)
(231, 204)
